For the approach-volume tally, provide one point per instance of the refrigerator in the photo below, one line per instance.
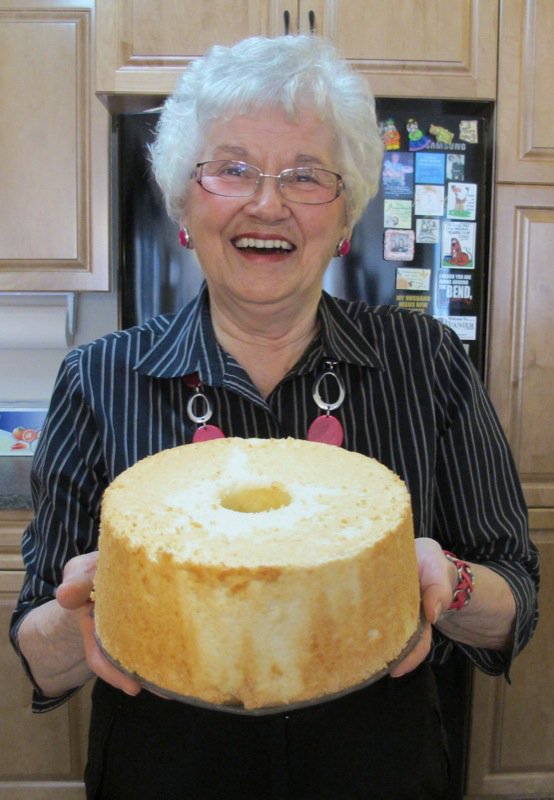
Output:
(422, 244)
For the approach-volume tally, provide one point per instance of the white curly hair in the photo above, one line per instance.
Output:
(285, 72)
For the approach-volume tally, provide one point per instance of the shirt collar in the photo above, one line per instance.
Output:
(188, 345)
(345, 337)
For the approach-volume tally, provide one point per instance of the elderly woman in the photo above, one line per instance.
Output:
(267, 154)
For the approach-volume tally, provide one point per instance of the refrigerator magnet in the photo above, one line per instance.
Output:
(398, 174)
(441, 134)
(399, 245)
(390, 135)
(458, 244)
(465, 327)
(429, 167)
(429, 200)
(417, 140)
(455, 167)
(397, 213)
(427, 230)
(454, 290)
(461, 201)
(469, 131)
(413, 279)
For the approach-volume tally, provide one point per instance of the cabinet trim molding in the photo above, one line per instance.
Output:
(56, 226)
(525, 115)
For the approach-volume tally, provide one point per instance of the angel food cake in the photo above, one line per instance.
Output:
(256, 572)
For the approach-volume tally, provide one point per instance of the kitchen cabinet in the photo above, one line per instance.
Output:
(512, 734)
(53, 150)
(143, 45)
(41, 755)
(526, 92)
(414, 48)
(512, 739)
(521, 344)
(418, 48)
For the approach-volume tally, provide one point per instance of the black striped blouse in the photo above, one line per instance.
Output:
(413, 401)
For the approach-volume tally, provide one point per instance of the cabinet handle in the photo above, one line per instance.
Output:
(311, 21)
(286, 20)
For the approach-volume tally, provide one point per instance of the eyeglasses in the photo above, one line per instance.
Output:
(312, 185)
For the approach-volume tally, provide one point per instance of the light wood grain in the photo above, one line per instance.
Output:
(413, 48)
(53, 150)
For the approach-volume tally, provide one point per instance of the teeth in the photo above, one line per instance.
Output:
(263, 244)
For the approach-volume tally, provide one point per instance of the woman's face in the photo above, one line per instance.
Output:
(307, 234)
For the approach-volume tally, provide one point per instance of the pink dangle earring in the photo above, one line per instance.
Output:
(343, 247)
(184, 238)
(326, 428)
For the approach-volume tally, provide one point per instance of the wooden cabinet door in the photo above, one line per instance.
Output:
(143, 45)
(521, 339)
(53, 150)
(512, 733)
(526, 92)
(414, 48)
(42, 756)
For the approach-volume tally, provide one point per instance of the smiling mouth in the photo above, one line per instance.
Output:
(262, 245)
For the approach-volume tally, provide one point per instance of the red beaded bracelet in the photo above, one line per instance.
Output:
(466, 582)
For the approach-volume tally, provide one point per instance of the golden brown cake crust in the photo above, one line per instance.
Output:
(202, 592)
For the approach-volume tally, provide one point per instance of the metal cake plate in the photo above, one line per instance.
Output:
(231, 708)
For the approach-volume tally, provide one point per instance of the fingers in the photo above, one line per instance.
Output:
(434, 578)
(78, 580)
(436, 596)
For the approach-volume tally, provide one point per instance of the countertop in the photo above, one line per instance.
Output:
(15, 487)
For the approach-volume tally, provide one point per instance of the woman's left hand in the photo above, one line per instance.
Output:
(436, 575)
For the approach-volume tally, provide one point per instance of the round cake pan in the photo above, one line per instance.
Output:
(230, 708)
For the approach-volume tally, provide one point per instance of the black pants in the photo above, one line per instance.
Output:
(384, 742)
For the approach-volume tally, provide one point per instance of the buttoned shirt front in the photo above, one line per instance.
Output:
(413, 401)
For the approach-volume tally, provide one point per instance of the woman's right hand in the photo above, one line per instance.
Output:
(74, 595)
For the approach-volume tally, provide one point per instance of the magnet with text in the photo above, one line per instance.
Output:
(413, 279)
(465, 327)
(458, 244)
(469, 131)
(427, 230)
(429, 167)
(397, 213)
(461, 201)
(398, 174)
(455, 167)
(454, 290)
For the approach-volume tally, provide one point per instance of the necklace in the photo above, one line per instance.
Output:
(325, 428)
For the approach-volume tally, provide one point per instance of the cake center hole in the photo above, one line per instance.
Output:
(252, 499)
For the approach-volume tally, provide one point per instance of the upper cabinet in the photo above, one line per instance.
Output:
(526, 92)
(417, 48)
(53, 150)
(143, 45)
(413, 48)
